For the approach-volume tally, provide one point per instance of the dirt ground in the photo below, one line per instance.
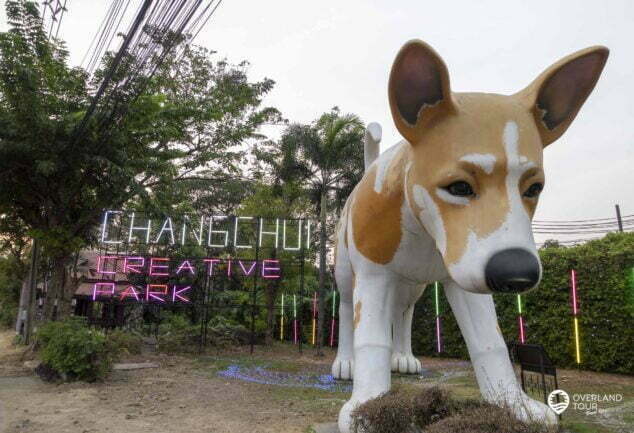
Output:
(186, 394)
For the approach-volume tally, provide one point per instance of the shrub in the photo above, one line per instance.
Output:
(223, 332)
(605, 280)
(74, 350)
(391, 412)
(8, 314)
(486, 418)
(433, 410)
(124, 342)
(178, 334)
(431, 405)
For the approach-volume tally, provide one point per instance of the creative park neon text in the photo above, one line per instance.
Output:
(115, 270)
(217, 231)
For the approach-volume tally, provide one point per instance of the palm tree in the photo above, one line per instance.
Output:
(326, 159)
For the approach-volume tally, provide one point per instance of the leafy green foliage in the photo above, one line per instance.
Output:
(179, 334)
(73, 349)
(604, 280)
(182, 135)
(12, 271)
(124, 342)
(324, 161)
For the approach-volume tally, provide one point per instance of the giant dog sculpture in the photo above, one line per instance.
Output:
(452, 202)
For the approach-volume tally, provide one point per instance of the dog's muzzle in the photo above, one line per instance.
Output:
(512, 271)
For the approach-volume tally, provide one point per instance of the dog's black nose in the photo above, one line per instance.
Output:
(512, 271)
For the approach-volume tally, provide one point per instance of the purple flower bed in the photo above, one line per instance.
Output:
(263, 376)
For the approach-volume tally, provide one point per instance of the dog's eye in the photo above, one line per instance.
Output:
(460, 189)
(534, 190)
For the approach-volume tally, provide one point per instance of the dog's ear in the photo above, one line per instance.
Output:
(556, 96)
(419, 89)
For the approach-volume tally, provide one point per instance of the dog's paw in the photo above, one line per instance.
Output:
(406, 364)
(342, 368)
(530, 410)
(345, 419)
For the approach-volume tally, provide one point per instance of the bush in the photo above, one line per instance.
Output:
(433, 410)
(486, 419)
(391, 412)
(431, 405)
(605, 280)
(178, 334)
(74, 350)
(8, 314)
(124, 342)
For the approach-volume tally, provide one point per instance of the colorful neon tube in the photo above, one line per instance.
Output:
(438, 336)
(520, 320)
(332, 320)
(282, 320)
(575, 314)
(314, 317)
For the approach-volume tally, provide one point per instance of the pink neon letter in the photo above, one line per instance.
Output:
(153, 266)
(274, 269)
(149, 293)
(129, 291)
(185, 265)
(133, 268)
(250, 269)
(211, 265)
(100, 270)
(176, 294)
(96, 291)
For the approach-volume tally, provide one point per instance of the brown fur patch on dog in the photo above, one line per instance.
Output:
(376, 217)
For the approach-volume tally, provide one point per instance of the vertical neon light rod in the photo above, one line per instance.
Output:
(520, 320)
(314, 316)
(575, 312)
(295, 319)
(282, 320)
(332, 321)
(438, 339)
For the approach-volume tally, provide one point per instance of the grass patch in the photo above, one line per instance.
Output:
(217, 363)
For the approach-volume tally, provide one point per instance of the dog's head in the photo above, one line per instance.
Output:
(476, 169)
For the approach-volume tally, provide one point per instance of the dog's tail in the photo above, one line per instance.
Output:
(371, 143)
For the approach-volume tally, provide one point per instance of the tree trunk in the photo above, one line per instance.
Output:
(26, 309)
(322, 273)
(56, 297)
(20, 323)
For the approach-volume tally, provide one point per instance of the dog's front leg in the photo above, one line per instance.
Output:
(476, 317)
(373, 304)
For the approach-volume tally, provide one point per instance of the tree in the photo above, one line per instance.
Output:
(275, 200)
(177, 135)
(326, 159)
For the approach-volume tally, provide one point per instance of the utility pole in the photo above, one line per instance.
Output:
(618, 217)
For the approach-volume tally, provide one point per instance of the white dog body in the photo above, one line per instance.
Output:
(453, 202)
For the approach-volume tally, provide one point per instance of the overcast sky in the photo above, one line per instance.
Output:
(339, 52)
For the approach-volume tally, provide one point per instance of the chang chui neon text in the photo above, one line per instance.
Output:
(141, 255)
(211, 231)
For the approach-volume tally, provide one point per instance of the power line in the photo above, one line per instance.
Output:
(57, 10)
(169, 24)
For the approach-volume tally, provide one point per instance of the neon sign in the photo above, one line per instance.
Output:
(159, 274)
(213, 231)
